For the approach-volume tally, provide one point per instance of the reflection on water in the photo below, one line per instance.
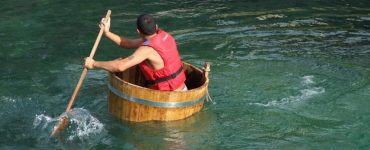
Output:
(179, 134)
(182, 134)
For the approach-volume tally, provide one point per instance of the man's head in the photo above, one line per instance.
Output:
(146, 25)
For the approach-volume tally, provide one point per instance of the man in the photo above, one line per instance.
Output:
(156, 54)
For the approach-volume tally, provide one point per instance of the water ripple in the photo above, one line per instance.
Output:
(271, 16)
(305, 94)
(298, 23)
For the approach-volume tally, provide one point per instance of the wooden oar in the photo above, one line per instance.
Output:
(63, 122)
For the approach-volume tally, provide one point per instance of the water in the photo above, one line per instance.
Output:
(284, 75)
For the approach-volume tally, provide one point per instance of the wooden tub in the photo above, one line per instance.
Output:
(128, 99)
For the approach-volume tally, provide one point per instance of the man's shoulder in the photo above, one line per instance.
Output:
(145, 48)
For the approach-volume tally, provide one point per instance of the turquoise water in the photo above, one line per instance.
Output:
(284, 74)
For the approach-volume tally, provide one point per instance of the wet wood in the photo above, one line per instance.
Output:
(132, 83)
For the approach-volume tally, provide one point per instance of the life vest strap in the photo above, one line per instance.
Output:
(171, 76)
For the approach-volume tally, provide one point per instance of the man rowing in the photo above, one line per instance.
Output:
(156, 54)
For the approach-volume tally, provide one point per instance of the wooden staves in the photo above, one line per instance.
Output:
(130, 100)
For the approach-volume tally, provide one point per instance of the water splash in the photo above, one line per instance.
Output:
(85, 123)
(42, 121)
(81, 124)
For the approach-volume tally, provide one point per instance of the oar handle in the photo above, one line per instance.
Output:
(84, 72)
(97, 41)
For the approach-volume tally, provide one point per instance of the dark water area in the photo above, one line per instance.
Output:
(284, 74)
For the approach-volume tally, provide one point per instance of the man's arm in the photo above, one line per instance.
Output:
(119, 65)
(120, 41)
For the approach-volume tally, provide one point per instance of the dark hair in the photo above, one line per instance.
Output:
(145, 24)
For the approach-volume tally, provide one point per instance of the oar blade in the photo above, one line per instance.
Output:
(63, 123)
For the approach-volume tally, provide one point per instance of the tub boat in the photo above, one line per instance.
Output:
(129, 99)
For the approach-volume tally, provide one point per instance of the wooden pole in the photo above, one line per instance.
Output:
(84, 72)
(64, 121)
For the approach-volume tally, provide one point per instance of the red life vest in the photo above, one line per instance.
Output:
(171, 76)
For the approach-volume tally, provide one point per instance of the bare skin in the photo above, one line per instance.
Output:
(142, 53)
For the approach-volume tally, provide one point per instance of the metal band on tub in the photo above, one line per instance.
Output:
(153, 103)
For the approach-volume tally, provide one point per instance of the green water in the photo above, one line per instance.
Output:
(284, 74)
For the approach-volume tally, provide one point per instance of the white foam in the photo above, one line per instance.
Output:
(307, 80)
(298, 23)
(306, 93)
(86, 124)
(270, 16)
(225, 22)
